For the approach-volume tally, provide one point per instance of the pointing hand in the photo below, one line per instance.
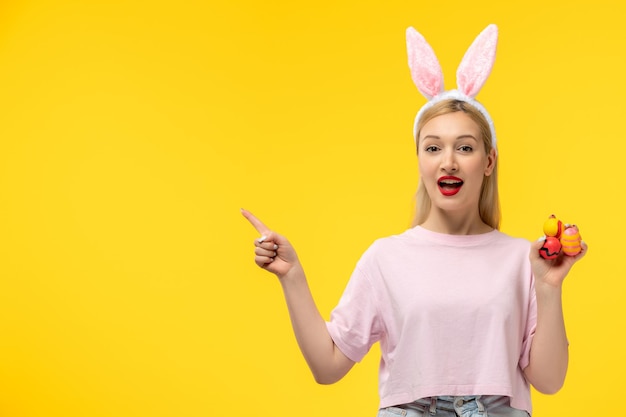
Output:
(273, 252)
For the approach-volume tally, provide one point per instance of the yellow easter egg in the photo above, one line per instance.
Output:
(553, 227)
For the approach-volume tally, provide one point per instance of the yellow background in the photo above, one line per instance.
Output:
(131, 132)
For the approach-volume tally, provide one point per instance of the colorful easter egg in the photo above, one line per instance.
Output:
(570, 241)
(551, 248)
(553, 227)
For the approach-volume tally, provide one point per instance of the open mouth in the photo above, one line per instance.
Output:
(449, 185)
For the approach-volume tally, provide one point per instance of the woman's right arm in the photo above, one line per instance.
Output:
(275, 254)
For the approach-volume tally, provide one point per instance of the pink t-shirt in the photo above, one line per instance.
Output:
(454, 315)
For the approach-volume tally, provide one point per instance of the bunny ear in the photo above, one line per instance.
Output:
(425, 69)
(477, 62)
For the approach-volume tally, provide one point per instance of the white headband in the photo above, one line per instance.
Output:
(471, 74)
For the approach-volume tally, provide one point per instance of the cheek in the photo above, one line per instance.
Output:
(420, 168)
(424, 167)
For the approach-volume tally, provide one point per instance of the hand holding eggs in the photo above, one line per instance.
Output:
(559, 237)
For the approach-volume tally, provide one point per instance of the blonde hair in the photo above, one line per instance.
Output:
(489, 203)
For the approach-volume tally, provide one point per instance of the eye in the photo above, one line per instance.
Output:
(466, 148)
(431, 148)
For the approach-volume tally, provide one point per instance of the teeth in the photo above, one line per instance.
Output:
(450, 182)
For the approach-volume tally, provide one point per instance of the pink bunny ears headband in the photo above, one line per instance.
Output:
(470, 76)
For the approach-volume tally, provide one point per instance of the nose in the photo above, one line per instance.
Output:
(449, 162)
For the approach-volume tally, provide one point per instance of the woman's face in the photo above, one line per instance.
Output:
(453, 163)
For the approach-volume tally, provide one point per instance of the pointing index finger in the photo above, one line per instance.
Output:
(256, 223)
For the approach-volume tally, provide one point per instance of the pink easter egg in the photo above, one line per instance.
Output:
(570, 241)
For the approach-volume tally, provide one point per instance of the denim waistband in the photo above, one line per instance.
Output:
(450, 403)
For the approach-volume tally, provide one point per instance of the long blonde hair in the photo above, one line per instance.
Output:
(489, 203)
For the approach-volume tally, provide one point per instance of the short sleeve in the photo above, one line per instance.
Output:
(531, 325)
(355, 323)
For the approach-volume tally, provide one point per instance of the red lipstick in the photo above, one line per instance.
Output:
(449, 185)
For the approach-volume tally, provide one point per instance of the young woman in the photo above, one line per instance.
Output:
(466, 316)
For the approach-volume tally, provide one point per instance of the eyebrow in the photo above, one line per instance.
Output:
(457, 138)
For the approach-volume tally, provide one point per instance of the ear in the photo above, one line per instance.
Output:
(425, 68)
(491, 162)
(477, 62)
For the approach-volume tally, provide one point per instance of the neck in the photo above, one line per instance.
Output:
(443, 222)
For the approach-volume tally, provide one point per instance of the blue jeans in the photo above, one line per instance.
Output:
(468, 406)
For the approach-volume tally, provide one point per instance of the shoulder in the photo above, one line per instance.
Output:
(502, 238)
(394, 242)
(386, 245)
(511, 252)
(395, 250)
(506, 248)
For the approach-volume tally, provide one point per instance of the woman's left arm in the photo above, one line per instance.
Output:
(549, 349)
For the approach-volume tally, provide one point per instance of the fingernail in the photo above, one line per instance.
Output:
(275, 247)
(262, 239)
(541, 239)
